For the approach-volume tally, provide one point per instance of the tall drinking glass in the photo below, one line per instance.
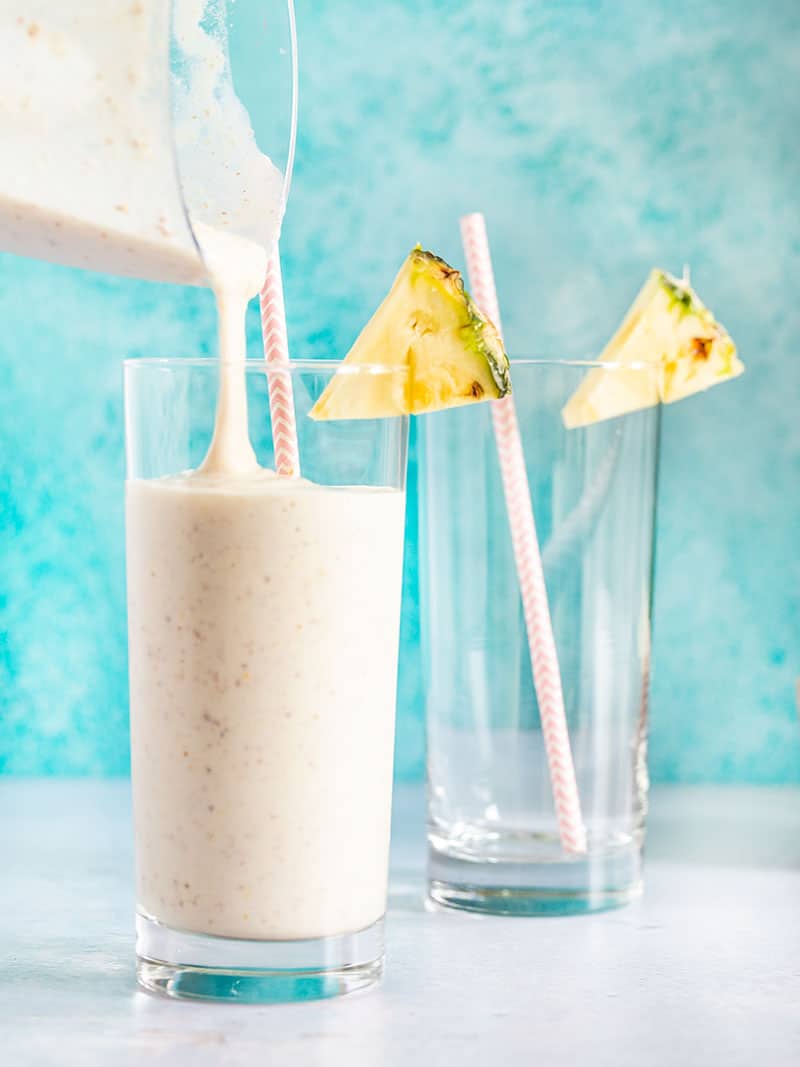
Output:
(263, 637)
(493, 834)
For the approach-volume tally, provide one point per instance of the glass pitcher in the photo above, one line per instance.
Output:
(126, 145)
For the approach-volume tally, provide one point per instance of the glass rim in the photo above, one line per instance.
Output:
(339, 366)
(580, 364)
(294, 366)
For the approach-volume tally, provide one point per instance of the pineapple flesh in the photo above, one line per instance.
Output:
(428, 347)
(668, 347)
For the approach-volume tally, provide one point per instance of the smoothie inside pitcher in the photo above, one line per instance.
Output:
(131, 150)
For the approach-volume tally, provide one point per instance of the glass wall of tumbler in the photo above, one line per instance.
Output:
(495, 789)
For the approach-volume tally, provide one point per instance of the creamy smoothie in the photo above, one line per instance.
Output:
(264, 621)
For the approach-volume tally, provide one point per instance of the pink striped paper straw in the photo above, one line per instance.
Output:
(544, 660)
(279, 379)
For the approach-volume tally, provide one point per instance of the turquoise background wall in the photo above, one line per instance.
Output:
(599, 139)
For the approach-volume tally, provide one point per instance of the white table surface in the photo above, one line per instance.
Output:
(704, 970)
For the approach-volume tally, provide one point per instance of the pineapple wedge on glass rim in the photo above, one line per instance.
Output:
(429, 324)
(671, 347)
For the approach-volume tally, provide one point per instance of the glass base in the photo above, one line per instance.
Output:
(547, 882)
(185, 965)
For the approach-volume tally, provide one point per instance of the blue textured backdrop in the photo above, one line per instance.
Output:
(599, 139)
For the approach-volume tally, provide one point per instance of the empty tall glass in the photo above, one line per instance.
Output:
(493, 835)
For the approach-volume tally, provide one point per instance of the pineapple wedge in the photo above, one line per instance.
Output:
(669, 329)
(428, 324)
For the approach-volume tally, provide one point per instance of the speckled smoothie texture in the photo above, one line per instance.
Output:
(263, 629)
